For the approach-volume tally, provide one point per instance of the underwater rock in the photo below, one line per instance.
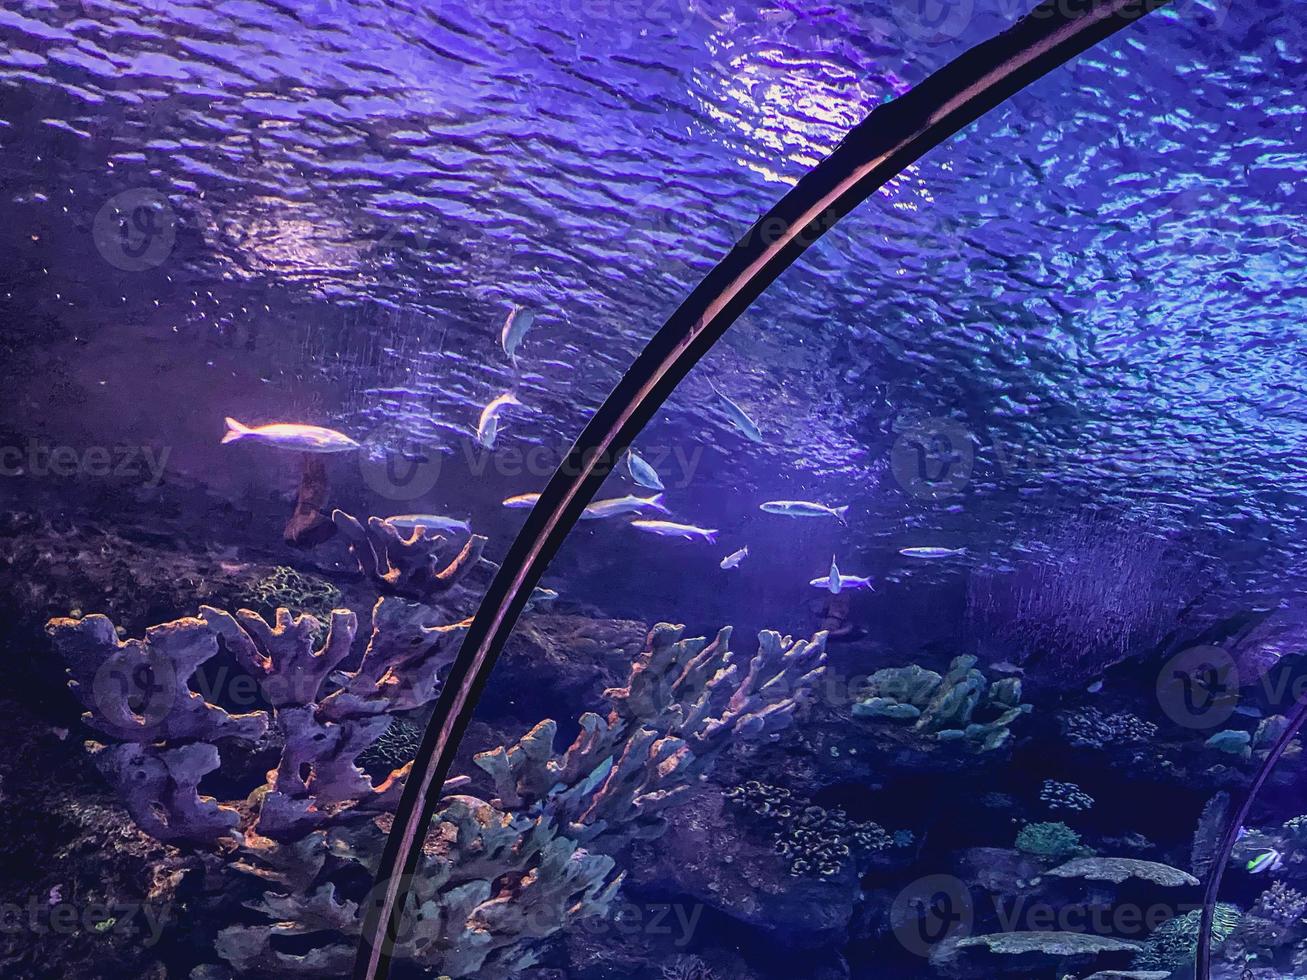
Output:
(407, 566)
(139, 690)
(1117, 870)
(1232, 742)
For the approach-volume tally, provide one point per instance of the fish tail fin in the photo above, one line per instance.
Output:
(711, 535)
(842, 513)
(235, 430)
(656, 502)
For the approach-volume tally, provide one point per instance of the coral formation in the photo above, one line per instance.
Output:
(285, 587)
(1055, 841)
(1065, 796)
(946, 708)
(1173, 944)
(1117, 870)
(1092, 728)
(686, 968)
(814, 841)
(495, 876)
(407, 565)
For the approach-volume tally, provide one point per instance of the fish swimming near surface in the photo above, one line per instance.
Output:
(667, 529)
(617, 506)
(291, 435)
(804, 508)
(641, 472)
(1270, 860)
(931, 552)
(517, 323)
(432, 522)
(835, 583)
(523, 501)
(735, 557)
(488, 424)
(739, 417)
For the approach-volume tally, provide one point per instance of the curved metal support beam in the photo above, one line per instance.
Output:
(892, 137)
(1212, 891)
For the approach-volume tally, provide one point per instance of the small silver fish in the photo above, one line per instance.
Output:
(738, 417)
(931, 552)
(488, 425)
(630, 504)
(804, 508)
(432, 522)
(667, 529)
(516, 325)
(835, 583)
(641, 472)
(523, 501)
(735, 557)
(291, 435)
(1095, 687)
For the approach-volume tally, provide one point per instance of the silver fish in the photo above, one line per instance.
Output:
(738, 417)
(516, 325)
(641, 472)
(835, 583)
(804, 508)
(735, 557)
(523, 501)
(630, 504)
(433, 522)
(931, 552)
(291, 435)
(488, 425)
(667, 529)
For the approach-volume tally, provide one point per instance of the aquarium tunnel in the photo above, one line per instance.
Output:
(667, 491)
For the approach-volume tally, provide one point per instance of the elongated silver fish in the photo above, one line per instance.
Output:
(931, 552)
(835, 583)
(739, 417)
(804, 508)
(292, 435)
(630, 504)
(516, 324)
(668, 529)
(488, 425)
(735, 557)
(523, 501)
(641, 472)
(433, 522)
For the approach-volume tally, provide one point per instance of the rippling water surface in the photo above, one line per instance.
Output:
(1101, 284)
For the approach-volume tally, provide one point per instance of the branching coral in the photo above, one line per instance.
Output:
(407, 565)
(946, 708)
(494, 877)
(815, 841)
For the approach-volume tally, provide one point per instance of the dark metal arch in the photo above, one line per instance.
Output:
(892, 137)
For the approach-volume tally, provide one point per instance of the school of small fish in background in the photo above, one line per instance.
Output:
(317, 439)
